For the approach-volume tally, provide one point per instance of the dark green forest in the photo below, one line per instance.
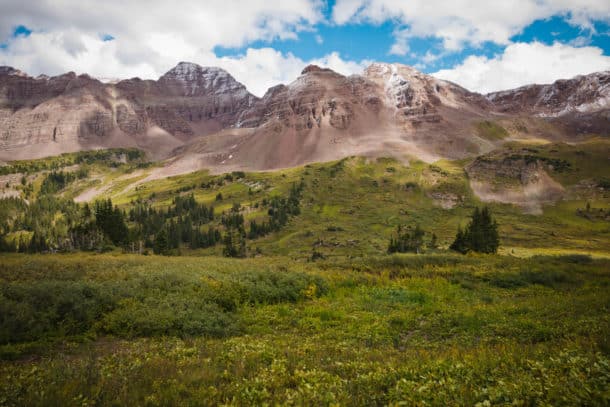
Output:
(51, 223)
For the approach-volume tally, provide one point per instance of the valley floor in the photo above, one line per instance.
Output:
(439, 329)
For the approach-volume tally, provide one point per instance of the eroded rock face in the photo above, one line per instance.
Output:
(582, 94)
(515, 177)
(318, 98)
(205, 118)
(416, 97)
(42, 116)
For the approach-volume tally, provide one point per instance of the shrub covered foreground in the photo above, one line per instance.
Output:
(390, 330)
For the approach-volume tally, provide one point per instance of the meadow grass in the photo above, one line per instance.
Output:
(529, 326)
(438, 329)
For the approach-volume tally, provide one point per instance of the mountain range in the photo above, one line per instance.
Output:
(201, 117)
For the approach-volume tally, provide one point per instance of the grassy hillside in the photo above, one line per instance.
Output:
(351, 207)
(357, 326)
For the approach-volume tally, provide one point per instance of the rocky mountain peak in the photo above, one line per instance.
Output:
(406, 89)
(10, 71)
(190, 79)
(321, 115)
(582, 94)
(314, 68)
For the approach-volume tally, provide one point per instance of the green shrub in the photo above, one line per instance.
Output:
(269, 287)
(167, 303)
(173, 314)
(32, 311)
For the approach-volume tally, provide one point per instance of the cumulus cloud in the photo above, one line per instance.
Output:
(121, 39)
(257, 68)
(70, 36)
(401, 46)
(205, 23)
(338, 64)
(525, 63)
(148, 37)
(460, 22)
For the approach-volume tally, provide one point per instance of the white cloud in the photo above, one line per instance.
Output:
(150, 37)
(460, 22)
(205, 23)
(525, 63)
(258, 69)
(401, 45)
(346, 10)
(337, 64)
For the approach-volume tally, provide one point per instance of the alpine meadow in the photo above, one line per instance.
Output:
(429, 231)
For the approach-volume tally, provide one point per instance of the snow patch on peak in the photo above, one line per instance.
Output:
(396, 87)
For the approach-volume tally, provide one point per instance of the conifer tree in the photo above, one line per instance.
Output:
(433, 244)
(481, 234)
(460, 244)
(407, 240)
(161, 245)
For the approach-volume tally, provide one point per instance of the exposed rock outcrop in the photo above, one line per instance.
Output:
(202, 117)
(42, 116)
(519, 178)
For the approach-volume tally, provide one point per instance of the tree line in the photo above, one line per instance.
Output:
(51, 223)
(279, 211)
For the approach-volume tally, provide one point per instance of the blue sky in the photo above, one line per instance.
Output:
(373, 42)
(481, 45)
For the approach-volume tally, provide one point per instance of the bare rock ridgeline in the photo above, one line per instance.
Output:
(191, 110)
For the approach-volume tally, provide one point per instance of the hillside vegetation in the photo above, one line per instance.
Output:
(438, 329)
(134, 301)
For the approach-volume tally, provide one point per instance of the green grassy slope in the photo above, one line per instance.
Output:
(359, 327)
(351, 207)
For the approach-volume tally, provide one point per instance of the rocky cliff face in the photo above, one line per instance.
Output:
(43, 116)
(580, 105)
(582, 94)
(322, 115)
(318, 98)
(316, 117)
(416, 96)
(203, 117)
(518, 177)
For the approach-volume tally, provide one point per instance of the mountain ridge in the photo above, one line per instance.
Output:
(207, 117)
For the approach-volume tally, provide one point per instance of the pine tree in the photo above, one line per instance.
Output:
(489, 228)
(235, 244)
(460, 244)
(111, 221)
(407, 240)
(161, 245)
(433, 244)
(481, 234)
